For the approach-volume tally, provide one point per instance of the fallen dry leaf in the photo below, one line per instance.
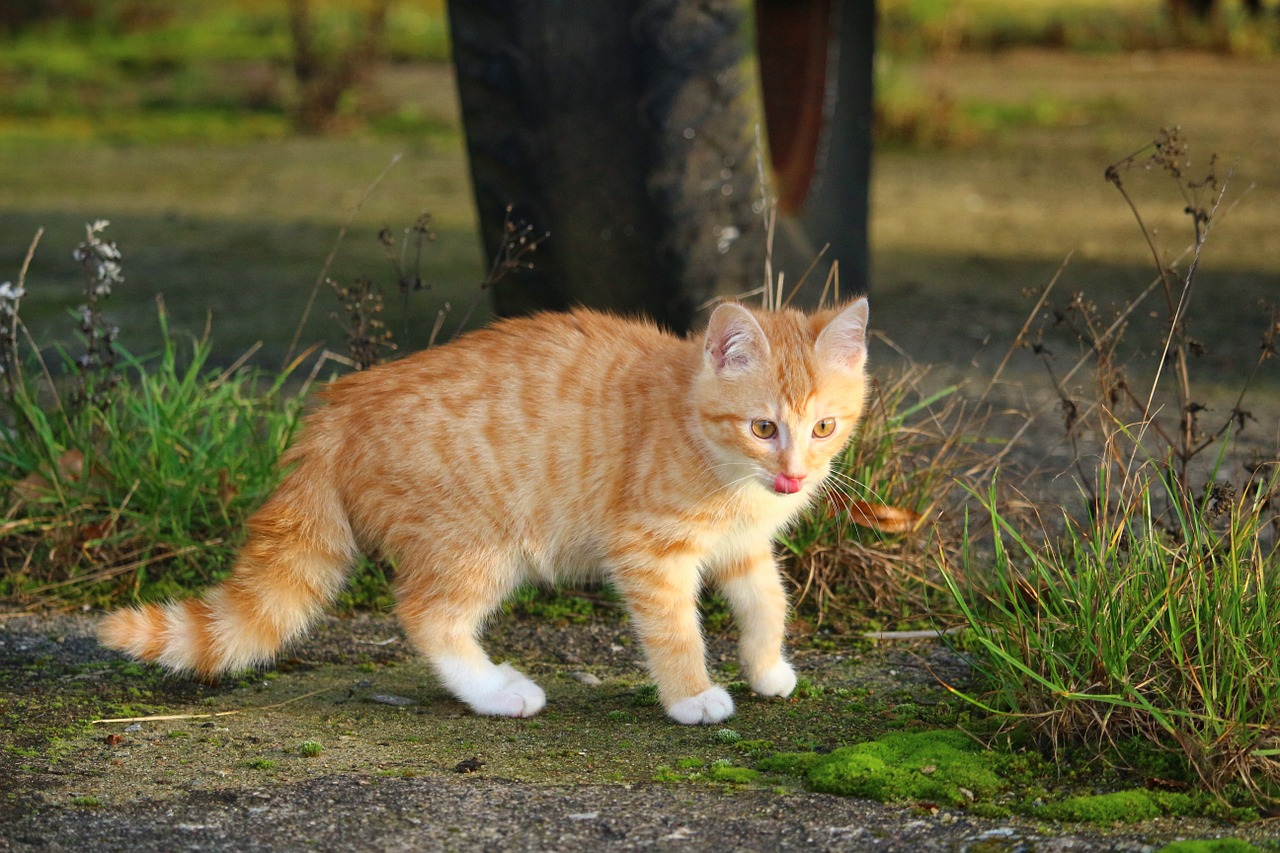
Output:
(227, 490)
(882, 517)
(34, 486)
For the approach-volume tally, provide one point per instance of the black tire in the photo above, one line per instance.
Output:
(621, 130)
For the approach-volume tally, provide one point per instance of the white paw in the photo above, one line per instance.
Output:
(494, 691)
(516, 696)
(777, 680)
(709, 706)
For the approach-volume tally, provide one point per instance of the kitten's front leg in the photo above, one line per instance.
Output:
(753, 588)
(662, 597)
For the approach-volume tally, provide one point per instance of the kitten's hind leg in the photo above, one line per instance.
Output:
(443, 614)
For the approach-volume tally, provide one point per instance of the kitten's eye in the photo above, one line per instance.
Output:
(824, 427)
(761, 428)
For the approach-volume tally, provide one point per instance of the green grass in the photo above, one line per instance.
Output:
(146, 492)
(950, 768)
(1131, 806)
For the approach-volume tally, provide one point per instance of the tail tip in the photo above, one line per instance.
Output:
(127, 630)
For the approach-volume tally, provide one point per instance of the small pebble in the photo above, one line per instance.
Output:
(135, 727)
(388, 699)
(586, 678)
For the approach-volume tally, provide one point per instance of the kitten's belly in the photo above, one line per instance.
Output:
(569, 562)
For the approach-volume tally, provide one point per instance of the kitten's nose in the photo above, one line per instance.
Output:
(787, 484)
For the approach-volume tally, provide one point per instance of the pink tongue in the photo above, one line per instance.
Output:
(784, 485)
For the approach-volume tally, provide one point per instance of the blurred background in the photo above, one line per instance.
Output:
(230, 144)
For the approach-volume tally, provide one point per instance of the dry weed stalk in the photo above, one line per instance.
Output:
(1163, 424)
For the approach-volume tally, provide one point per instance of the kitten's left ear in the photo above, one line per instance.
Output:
(844, 340)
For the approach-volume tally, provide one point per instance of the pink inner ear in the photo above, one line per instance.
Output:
(845, 337)
(734, 339)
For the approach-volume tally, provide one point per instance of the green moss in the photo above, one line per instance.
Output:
(989, 810)
(259, 764)
(88, 801)
(755, 746)
(945, 766)
(789, 763)
(806, 689)
(733, 775)
(1129, 806)
(666, 774)
(559, 606)
(1210, 845)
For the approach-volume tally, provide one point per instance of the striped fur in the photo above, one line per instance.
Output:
(557, 446)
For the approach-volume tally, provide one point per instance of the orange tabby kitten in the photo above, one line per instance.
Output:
(558, 446)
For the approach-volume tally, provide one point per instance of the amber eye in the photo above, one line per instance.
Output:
(761, 428)
(824, 427)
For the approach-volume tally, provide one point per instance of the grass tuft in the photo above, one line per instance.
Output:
(912, 450)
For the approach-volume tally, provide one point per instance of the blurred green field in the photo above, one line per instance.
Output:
(996, 118)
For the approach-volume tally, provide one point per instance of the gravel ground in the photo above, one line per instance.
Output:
(442, 808)
(357, 813)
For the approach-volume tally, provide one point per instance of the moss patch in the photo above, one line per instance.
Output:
(942, 766)
(947, 767)
(721, 772)
(1130, 806)
(1210, 845)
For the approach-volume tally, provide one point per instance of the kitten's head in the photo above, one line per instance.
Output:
(780, 393)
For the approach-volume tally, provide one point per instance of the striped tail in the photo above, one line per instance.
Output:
(295, 561)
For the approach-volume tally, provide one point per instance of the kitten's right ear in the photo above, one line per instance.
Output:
(844, 340)
(735, 342)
